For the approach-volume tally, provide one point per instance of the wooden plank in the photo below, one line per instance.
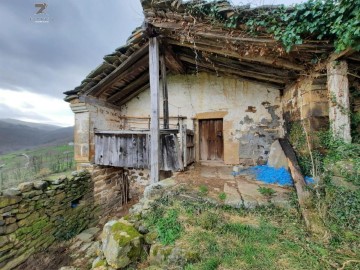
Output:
(155, 98)
(221, 51)
(133, 86)
(299, 181)
(184, 143)
(165, 93)
(227, 70)
(130, 96)
(120, 69)
(173, 62)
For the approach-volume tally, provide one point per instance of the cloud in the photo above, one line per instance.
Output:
(33, 107)
(50, 58)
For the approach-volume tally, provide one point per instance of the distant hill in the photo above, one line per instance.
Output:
(16, 135)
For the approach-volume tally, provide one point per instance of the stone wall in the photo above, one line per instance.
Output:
(307, 101)
(111, 187)
(36, 214)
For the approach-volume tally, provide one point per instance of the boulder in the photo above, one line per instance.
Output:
(155, 191)
(11, 192)
(40, 185)
(166, 256)
(121, 243)
(277, 157)
(26, 186)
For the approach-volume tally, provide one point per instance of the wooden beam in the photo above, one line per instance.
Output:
(139, 82)
(299, 181)
(110, 79)
(155, 98)
(275, 62)
(132, 95)
(173, 63)
(250, 74)
(165, 92)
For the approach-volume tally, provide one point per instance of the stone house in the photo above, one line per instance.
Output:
(184, 89)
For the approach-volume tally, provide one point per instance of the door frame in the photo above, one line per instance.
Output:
(206, 116)
(221, 158)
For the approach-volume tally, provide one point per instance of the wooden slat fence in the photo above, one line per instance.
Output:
(132, 149)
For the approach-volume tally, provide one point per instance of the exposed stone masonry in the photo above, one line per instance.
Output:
(111, 187)
(36, 214)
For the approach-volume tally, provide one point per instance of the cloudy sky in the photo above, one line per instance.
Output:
(39, 61)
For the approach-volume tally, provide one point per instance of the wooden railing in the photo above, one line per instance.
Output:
(131, 148)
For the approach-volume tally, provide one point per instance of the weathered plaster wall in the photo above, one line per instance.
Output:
(251, 113)
(36, 214)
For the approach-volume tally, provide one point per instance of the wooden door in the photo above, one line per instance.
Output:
(211, 139)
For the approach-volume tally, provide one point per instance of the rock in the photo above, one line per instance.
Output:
(68, 268)
(26, 186)
(11, 192)
(98, 263)
(143, 230)
(155, 191)
(40, 185)
(151, 238)
(171, 255)
(92, 250)
(57, 181)
(277, 157)
(3, 240)
(9, 200)
(121, 243)
(88, 235)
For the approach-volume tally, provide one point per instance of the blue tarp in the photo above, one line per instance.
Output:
(270, 175)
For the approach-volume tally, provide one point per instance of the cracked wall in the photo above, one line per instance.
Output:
(251, 113)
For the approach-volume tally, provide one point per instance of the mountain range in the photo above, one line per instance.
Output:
(17, 135)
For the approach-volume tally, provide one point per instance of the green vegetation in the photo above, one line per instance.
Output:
(222, 196)
(168, 226)
(337, 196)
(262, 238)
(267, 192)
(337, 21)
(28, 165)
(203, 190)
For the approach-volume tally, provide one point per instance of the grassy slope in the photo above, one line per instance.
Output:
(43, 160)
(264, 238)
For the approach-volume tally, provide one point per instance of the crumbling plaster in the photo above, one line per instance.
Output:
(251, 112)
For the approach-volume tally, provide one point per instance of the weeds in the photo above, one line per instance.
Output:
(203, 190)
(222, 196)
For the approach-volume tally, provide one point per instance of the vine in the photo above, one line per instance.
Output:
(337, 21)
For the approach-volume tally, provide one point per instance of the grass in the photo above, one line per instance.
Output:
(263, 238)
(15, 167)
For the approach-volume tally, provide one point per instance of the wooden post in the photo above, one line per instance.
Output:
(155, 98)
(165, 92)
(339, 107)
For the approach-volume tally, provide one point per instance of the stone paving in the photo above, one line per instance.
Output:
(242, 190)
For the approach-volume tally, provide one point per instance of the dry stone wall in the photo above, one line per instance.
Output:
(111, 187)
(36, 214)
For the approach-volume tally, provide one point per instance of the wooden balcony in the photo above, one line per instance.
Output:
(131, 148)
